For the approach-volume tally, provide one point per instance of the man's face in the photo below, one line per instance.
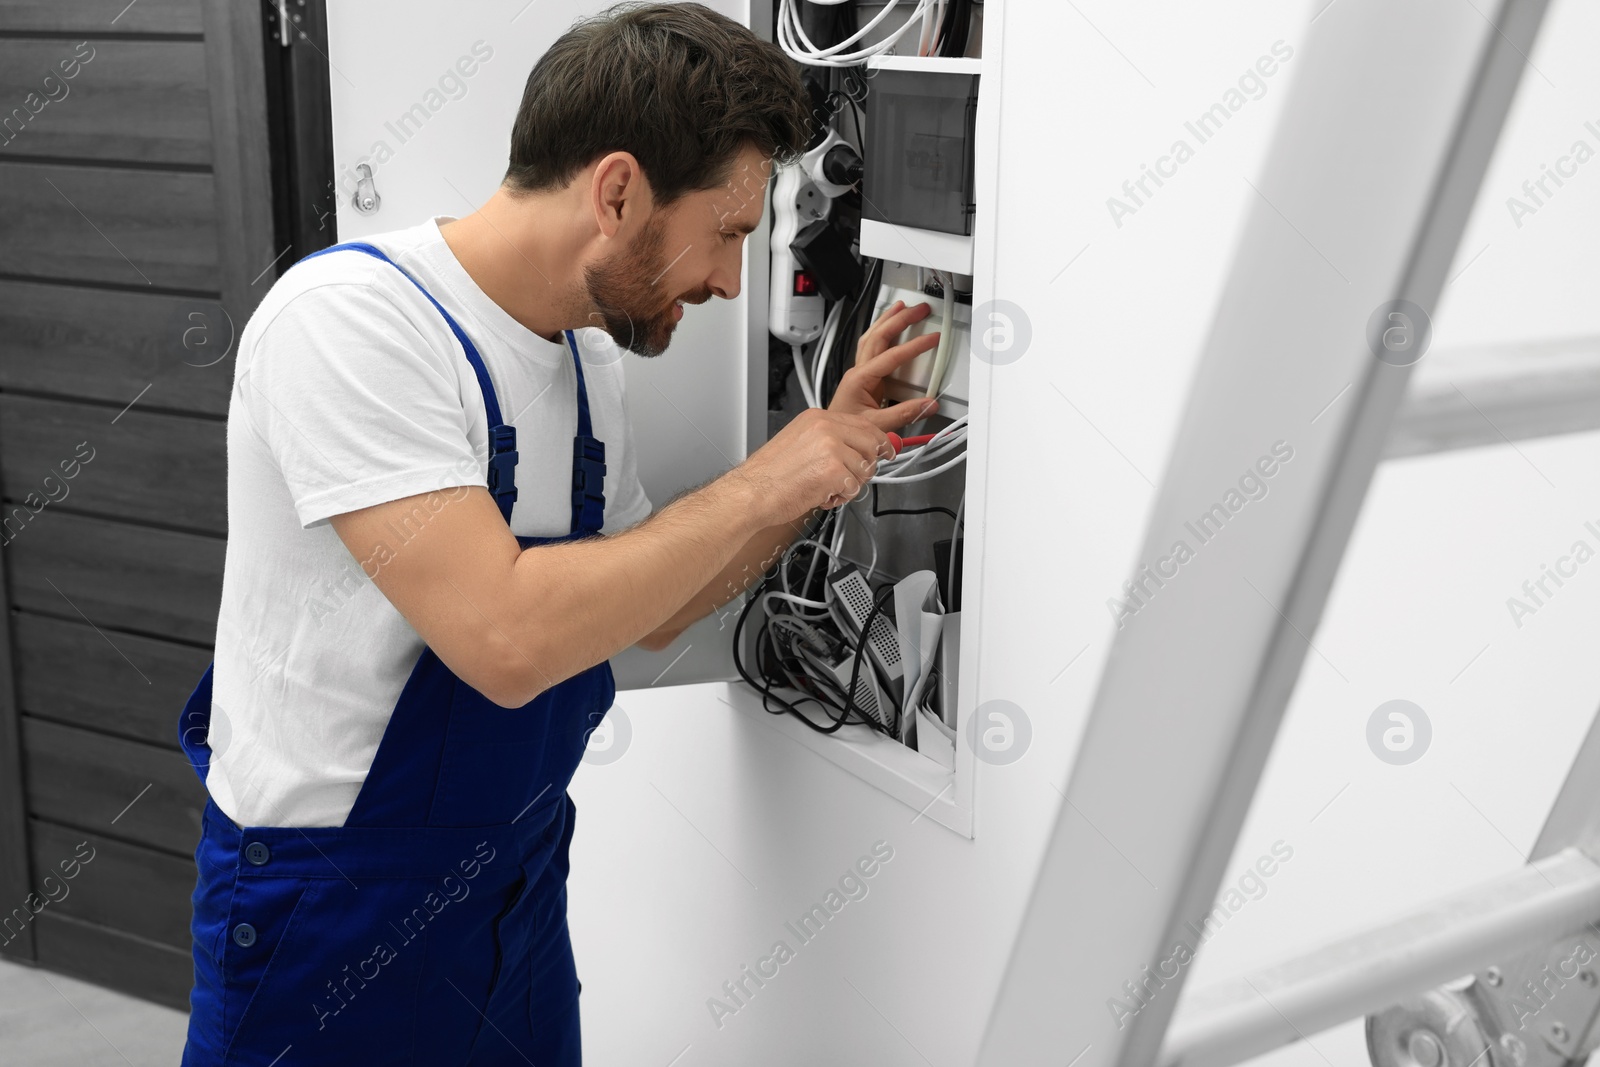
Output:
(685, 254)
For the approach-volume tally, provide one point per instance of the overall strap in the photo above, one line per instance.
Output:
(502, 435)
(588, 462)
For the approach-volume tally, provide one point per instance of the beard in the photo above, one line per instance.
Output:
(634, 307)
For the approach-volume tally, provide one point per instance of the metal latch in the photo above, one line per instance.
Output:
(366, 199)
(1535, 1011)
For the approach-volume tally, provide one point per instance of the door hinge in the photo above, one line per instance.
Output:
(286, 19)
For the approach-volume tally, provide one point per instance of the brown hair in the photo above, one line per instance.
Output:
(679, 86)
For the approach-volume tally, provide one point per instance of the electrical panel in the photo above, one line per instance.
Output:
(856, 630)
(919, 157)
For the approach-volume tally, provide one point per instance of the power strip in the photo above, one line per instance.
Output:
(795, 305)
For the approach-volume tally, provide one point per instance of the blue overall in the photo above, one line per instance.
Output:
(430, 928)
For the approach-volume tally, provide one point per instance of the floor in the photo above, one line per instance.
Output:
(47, 1020)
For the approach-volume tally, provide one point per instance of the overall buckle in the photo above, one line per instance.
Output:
(589, 482)
(503, 463)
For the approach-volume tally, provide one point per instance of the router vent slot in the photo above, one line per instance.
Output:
(867, 699)
(857, 595)
(884, 637)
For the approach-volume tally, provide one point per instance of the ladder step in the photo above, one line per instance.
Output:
(1551, 898)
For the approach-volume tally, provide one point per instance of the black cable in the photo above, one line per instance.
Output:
(957, 27)
(764, 686)
(879, 513)
(946, 28)
(841, 357)
(765, 639)
(856, 89)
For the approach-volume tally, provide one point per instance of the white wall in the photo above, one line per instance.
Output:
(712, 829)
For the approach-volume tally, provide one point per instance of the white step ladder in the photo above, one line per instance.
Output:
(1380, 151)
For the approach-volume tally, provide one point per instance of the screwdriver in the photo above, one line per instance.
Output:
(898, 443)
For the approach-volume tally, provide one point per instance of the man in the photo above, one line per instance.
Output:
(438, 413)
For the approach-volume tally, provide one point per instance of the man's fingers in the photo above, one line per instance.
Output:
(898, 308)
(884, 317)
(861, 434)
(894, 321)
(902, 414)
(886, 363)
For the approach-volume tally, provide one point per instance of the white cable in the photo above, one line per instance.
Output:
(921, 453)
(922, 476)
(940, 445)
(928, 454)
(792, 36)
(919, 458)
(830, 329)
(810, 663)
(941, 359)
(816, 606)
(791, 592)
(818, 545)
(957, 425)
(811, 568)
(789, 622)
(817, 349)
(951, 437)
(803, 377)
(814, 668)
(791, 26)
(872, 564)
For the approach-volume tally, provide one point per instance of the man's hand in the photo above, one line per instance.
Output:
(821, 459)
(878, 355)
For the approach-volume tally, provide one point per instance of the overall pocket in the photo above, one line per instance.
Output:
(337, 982)
(472, 954)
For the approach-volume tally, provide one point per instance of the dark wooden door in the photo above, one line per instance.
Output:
(136, 234)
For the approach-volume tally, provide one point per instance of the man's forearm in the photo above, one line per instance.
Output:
(514, 622)
(739, 576)
(585, 601)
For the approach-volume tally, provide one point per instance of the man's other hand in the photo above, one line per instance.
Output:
(879, 354)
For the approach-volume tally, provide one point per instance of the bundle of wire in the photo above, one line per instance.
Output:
(911, 464)
(945, 25)
(797, 641)
(797, 635)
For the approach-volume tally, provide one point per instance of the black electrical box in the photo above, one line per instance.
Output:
(920, 150)
(825, 252)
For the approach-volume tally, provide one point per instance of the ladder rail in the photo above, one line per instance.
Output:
(1196, 684)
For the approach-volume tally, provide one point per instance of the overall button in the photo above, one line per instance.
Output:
(244, 935)
(257, 853)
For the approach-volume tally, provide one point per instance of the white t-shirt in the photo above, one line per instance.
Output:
(350, 390)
